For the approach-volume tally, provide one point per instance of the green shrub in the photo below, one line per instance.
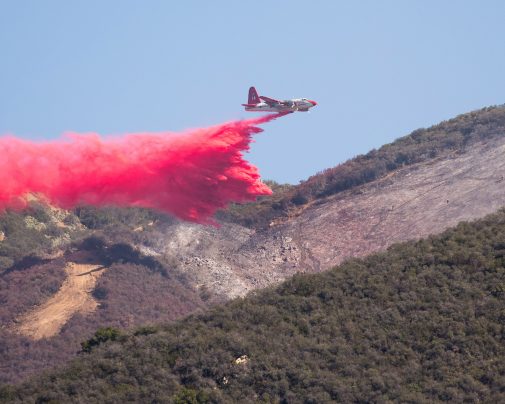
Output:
(101, 335)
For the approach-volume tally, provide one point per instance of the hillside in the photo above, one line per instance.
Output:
(158, 269)
(48, 308)
(441, 140)
(422, 322)
(413, 201)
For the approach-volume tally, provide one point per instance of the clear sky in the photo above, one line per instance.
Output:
(378, 69)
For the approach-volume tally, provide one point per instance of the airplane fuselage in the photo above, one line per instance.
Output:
(298, 104)
(256, 103)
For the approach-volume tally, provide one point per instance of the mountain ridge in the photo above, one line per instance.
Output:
(421, 322)
(160, 269)
(422, 144)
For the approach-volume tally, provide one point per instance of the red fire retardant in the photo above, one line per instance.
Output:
(189, 175)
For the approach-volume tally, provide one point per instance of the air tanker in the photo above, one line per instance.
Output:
(261, 103)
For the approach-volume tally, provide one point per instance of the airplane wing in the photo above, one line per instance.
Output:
(269, 101)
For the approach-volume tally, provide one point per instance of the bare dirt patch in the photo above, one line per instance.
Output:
(73, 297)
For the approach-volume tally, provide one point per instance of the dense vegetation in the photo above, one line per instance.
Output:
(421, 145)
(423, 321)
(119, 218)
(129, 295)
(30, 236)
(135, 289)
(27, 236)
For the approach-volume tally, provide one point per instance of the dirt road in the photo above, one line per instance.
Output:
(73, 297)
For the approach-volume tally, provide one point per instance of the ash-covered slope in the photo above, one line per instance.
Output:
(159, 269)
(422, 322)
(409, 202)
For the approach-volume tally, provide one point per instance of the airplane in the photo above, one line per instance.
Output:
(260, 103)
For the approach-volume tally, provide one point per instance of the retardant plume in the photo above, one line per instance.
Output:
(190, 175)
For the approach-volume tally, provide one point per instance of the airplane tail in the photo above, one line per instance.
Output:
(253, 96)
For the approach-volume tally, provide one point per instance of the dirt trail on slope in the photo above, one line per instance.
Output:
(73, 297)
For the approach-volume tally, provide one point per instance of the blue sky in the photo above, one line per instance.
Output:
(378, 69)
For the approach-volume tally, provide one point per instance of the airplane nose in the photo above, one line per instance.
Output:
(313, 102)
